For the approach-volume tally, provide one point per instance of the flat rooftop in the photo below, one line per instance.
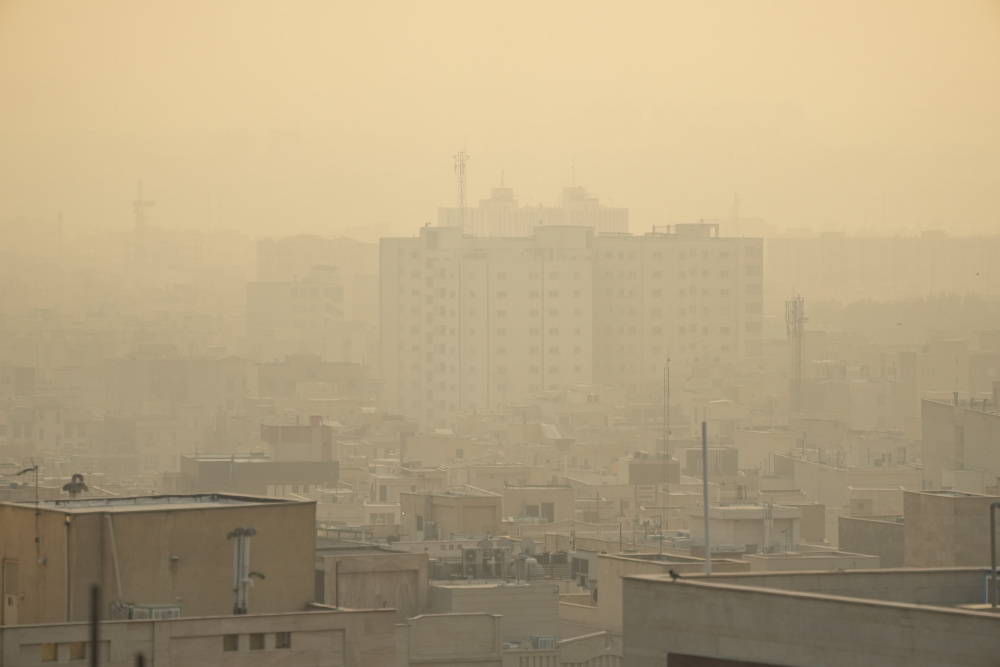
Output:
(150, 503)
(960, 589)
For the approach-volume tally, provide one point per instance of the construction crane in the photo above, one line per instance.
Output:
(139, 207)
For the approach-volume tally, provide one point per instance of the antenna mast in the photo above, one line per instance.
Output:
(795, 325)
(139, 207)
(460, 160)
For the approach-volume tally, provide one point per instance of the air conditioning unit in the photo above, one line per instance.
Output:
(540, 643)
(472, 559)
(140, 612)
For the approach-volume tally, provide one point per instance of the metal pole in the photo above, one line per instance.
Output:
(993, 550)
(660, 531)
(95, 633)
(704, 496)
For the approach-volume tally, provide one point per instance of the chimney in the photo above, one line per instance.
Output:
(954, 398)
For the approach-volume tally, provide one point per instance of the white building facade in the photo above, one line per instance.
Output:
(471, 324)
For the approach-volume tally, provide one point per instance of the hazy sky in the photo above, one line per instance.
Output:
(281, 116)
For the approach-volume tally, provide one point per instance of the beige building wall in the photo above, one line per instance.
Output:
(376, 581)
(332, 639)
(682, 289)
(527, 610)
(732, 620)
(869, 535)
(555, 503)
(478, 514)
(440, 640)
(469, 325)
(947, 529)
(612, 569)
(167, 555)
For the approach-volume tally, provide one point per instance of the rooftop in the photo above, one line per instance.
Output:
(150, 503)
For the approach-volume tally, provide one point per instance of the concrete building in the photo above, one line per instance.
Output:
(527, 610)
(501, 216)
(546, 503)
(304, 316)
(612, 568)
(959, 440)
(473, 324)
(681, 288)
(455, 512)
(253, 474)
(883, 618)
(157, 551)
(946, 529)
(373, 580)
(884, 537)
(299, 442)
(343, 638)
(469, 325)
(746, 528)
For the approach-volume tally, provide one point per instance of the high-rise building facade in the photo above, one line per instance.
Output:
(473, 324)
(680, 292)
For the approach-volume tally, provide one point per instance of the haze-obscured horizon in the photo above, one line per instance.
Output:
(274, 118)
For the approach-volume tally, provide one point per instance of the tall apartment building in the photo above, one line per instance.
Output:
(472, 324)
(501, 215)
(681, 292)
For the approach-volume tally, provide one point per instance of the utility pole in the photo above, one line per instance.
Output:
(666, 431)
(795, 324)
(704, 496)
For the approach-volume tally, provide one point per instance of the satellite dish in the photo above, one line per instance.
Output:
(505, 543)
(528, 546)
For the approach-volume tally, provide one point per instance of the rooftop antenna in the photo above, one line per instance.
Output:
(139, 207)
(460, 159)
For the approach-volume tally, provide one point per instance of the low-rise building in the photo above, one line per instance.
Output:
(883, 618)
(168, 552)
(442, 516)
(254, 474)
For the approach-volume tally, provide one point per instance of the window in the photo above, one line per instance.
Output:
(78, 650)
(230, 642)
(283, 640)
(257, 641)
(49, 653)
